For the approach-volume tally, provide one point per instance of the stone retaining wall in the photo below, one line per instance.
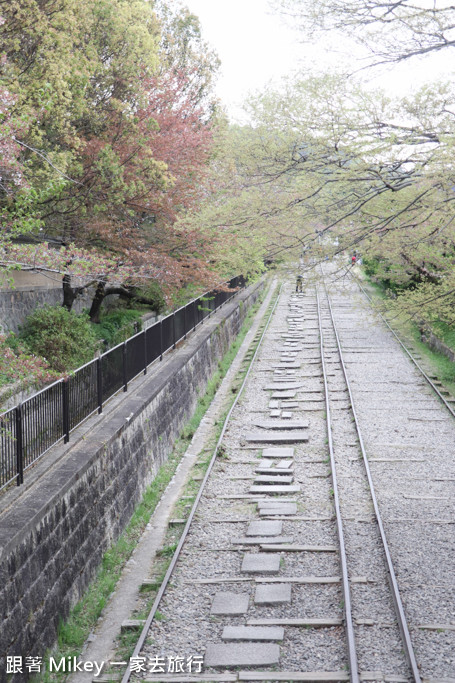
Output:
(32, 291)
(53, 536)
(436, 344)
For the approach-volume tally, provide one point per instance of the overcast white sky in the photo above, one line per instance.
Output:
(252, 44)
(255, 46)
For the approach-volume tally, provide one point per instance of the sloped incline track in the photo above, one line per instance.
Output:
(280, 574)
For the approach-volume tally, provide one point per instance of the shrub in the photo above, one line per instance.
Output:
(117, 325)
(18, 365)
(64, 339)
(154, 293)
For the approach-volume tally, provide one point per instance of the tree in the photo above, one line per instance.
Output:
(391, 30)
(69, 66)
(116, 145)
(325, 155)
(14, 190)
(237, 213)
(82, 269)
(183, 49)
(104, 89)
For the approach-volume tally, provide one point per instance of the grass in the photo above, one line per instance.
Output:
(118, 325)
(446, 333)
(436, 363)
(74, 631)
(408, 331)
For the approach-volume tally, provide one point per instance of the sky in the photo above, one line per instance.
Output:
(255, 46)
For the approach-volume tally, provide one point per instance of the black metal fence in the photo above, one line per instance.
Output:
(31, 428)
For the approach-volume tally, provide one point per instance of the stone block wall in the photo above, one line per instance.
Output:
(32, 291)
(436, 344)
(53, 537)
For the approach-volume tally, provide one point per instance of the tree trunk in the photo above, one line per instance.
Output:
(102, 292)
(98, 299)
(69, 293)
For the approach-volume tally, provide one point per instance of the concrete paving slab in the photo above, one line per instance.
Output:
(288, 676)
(281, 437)
(252, 633)
(284, 394)
(310, 623)
(178, 678)
(282, 424)
(274, 502)
(283, 386)
(272, 470)
(278, 452)
(300, 548)
(261, 540)
(279, 511)
(263, 528)
(275, 488)
(273, 594)
(228, 603)
(265, 463)
(290, 509)
(260, 563)
(274, 404)
(241, 654)
(282, 377)
(278, 479)
(285, 464)
(303, 579)
(275, 413)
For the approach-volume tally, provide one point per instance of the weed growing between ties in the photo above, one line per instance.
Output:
(74, 631)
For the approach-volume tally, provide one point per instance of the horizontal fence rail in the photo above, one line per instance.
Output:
(31, 428)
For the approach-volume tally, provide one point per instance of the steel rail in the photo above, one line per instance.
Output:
(352, 653)
(406, 350)
(154, 608)
(408, 648)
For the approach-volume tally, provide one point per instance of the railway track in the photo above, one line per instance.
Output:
(283, 571)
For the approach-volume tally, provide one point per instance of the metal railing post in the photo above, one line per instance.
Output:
(184, 322)
(65, 410)
(125, 377)
(173, 330)
(99, 385)
(161, 339)
(19, 446)
(145, 352)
